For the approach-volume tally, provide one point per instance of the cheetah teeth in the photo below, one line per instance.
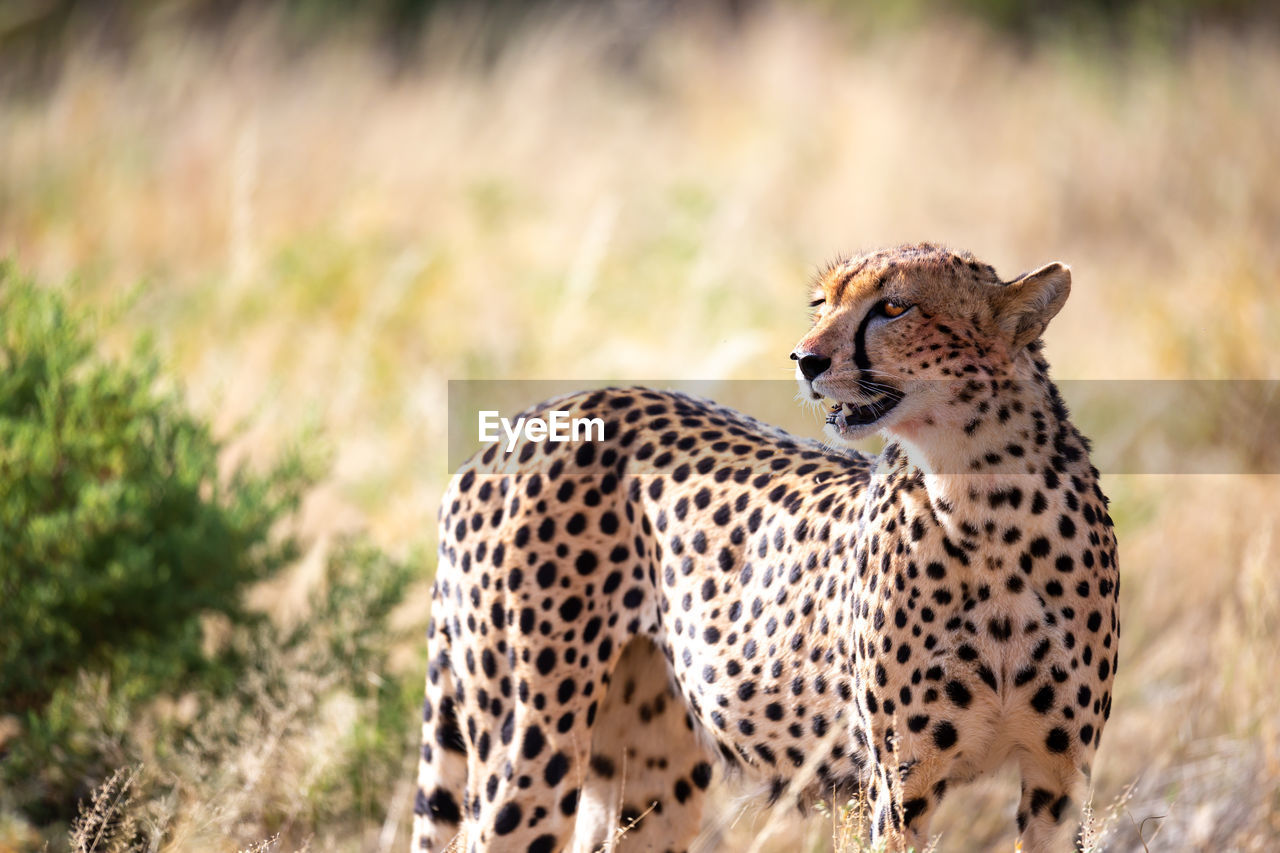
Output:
(845, 409)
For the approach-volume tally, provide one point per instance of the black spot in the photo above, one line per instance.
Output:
(570, 608)
(1000, 629)
(448, 734)
(944, 735)
(586, 562)
(508, 730)
(533, 742)
(508, 819)
(546, 661)
(1057, 740)
(557, 767)
(912, 809)
(708, 589)
(1043, 700)
(543, 844)
(701, 774)
(443, 807)
(959, 694)
(602, 765)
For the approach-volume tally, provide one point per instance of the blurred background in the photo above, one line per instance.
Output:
(248, 245)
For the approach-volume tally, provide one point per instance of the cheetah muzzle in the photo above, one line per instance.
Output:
(847, 418)
(615, 622)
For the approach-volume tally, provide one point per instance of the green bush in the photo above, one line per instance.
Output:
(315, 733)
(116, 533)
(120, 544)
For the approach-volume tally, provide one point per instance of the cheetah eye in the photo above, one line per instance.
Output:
(815, 303)
(889, 308)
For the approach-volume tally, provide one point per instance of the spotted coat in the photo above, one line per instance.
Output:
(615, 622)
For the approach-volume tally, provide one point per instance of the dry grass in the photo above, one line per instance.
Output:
(106, 822)
(314, 240)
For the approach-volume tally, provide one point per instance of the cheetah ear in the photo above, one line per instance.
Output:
(1025, 305)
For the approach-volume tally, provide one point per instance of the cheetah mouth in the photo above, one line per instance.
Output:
(847, 416)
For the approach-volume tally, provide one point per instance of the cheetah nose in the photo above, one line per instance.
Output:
(812, 366)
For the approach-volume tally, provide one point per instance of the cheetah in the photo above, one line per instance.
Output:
(615, 622)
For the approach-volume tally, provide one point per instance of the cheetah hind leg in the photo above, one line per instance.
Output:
(442, 767)
(648, 773)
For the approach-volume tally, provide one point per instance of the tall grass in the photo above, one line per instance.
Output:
(319, 237)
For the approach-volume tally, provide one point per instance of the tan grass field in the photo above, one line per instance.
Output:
(316, 240)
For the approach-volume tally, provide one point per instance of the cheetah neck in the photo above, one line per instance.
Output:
(1002, 440)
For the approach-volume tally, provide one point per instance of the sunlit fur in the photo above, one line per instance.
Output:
(615, 622)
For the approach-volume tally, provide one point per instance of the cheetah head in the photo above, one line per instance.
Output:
(898, 334)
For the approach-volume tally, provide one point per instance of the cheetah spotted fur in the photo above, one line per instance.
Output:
(615, 622)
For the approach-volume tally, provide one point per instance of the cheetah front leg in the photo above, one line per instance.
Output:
(647, 773)
(915, 756)
(902, 801)
(1051, 786)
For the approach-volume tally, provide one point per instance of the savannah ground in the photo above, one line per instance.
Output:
(318, 234)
